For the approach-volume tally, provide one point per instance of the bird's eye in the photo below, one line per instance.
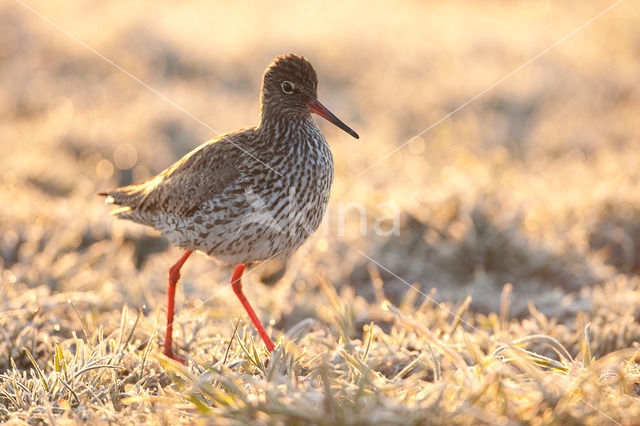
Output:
(288, 87)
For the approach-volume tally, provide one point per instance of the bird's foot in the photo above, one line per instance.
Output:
(169, 353)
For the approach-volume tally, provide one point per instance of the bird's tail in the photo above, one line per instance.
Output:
(127, 197)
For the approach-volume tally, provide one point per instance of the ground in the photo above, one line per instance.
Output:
(479, 262)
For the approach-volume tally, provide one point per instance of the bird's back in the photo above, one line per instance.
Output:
(183, 188)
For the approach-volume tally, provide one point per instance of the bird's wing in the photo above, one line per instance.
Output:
(184, 187)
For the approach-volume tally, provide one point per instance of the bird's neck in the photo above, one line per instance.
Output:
(298, 139)
(283, 128)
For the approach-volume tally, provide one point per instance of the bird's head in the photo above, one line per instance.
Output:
(290, 89)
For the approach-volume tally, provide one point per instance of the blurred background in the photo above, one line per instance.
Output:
(534, 183)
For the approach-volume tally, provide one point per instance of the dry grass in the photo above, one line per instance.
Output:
(534, 184)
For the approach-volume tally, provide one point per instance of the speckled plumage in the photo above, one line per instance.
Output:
(248, 195)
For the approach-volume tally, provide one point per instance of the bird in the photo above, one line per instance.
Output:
(248, 195)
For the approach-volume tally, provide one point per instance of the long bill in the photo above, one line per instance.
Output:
(316, 106)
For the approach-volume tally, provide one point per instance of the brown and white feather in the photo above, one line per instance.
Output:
(248, 195)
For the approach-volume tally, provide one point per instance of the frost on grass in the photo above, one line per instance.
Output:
(429, 367)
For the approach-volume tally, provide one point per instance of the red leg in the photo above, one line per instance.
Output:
(236, 283)
(174, 276)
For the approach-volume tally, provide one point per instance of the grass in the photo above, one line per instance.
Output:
(509, 295)
(427, 367)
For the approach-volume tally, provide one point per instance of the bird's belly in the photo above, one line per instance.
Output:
(250, 227)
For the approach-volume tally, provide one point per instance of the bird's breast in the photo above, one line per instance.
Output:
(272, 208)
(303, 184)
